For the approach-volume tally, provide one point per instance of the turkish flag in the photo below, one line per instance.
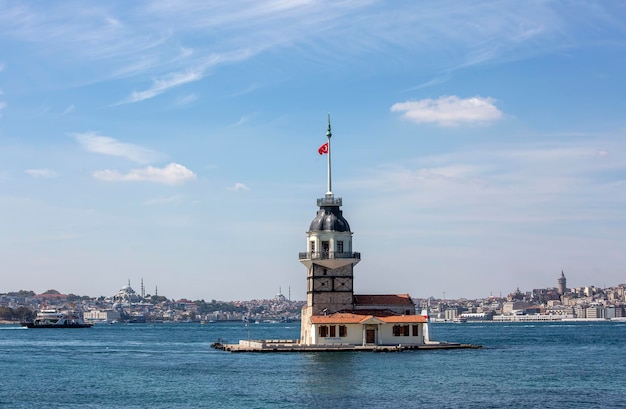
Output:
(323, 149)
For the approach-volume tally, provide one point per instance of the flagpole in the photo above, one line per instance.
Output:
(328, 135)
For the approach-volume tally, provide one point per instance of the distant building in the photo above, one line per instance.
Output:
(594, 312)
(126, 296)
(561, 284)
(279, 296)
(103, 316)
(512, 307)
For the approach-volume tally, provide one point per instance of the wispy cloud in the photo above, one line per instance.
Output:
(172, 174)
(106, 145)
(540, 184)
(118, 43)
(160, 85)
(449, 110)
(185, 99)
(42, 173)
(243, 120)
(2, 103)
(68, 110)
(238, 186)
(188, 75)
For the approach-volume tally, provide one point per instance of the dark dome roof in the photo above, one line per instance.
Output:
(329, 218)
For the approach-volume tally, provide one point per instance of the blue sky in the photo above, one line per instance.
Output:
(478, 146)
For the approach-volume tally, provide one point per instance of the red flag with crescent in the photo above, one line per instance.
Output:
(323, 149)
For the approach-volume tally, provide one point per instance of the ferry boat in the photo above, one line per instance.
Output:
(51, 318)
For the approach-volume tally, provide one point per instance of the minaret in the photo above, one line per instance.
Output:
(562, 284)
(329, 258)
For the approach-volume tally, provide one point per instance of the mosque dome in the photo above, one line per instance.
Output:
(126, 295)
(329, 218)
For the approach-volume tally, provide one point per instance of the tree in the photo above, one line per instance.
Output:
(19, 314)
(155, 299)
(24, 314)
(22, 293)
(72, 297)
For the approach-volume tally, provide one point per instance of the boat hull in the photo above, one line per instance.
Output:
(75, 325)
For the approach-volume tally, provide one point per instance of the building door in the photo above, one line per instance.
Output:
(370, 336)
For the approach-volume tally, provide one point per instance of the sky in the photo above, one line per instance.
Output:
(478, 146)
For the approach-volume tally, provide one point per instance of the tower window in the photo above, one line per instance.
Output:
(340, 247)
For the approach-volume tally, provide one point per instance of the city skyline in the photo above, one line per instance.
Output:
(477, 147)
(141, 290)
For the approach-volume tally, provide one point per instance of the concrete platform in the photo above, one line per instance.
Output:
(295, 346)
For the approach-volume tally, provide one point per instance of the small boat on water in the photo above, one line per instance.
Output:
(51, 318)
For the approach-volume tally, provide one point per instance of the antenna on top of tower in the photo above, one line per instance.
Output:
(328, 135)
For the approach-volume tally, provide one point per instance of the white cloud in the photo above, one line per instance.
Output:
(42, 173)
(238, 186)
(68, 110)
(106, 145)
(172, 174)
(160, 85)
(449, 110)
(2, 106)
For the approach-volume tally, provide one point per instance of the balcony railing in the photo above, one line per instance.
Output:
(325, 255)
(329, 201)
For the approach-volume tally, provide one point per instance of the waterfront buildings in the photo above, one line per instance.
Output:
(543, 304)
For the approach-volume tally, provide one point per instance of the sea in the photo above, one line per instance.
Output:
(521, 365)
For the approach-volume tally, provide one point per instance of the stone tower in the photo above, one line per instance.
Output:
(562, 284)
(329, 258)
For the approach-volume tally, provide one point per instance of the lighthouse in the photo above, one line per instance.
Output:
(334, 317)
(329, 258)
(333, 313)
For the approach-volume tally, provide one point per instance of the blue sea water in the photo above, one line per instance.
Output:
(522, 365)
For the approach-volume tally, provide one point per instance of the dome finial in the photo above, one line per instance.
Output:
(328, 133)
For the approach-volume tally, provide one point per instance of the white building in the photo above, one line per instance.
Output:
(101, 316)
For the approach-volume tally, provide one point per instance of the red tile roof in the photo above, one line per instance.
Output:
(383, 299)
(403, 319)
(348, 318)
